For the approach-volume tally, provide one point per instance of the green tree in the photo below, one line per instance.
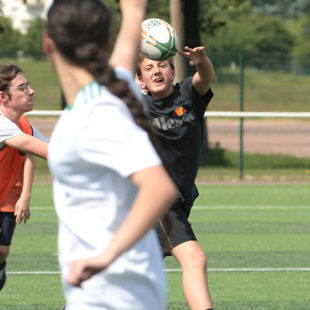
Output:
(219, 29)
(284, 8)
(301, 50)
(295, 15)
(215, 14)
(158, 9)
(10, 39)
(273, 43)
(264, 41)
(32, 41)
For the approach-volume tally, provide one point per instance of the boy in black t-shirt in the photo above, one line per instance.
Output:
(177, 112)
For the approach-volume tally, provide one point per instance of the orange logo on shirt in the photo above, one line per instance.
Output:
(179, 111)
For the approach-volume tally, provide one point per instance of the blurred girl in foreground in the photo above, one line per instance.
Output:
(110, 188)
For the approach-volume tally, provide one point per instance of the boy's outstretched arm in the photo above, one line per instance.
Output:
(203, 77)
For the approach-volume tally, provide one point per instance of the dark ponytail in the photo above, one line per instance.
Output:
(80, 30)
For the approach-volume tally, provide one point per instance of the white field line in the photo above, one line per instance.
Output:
(247, 269)
(198, 207)
(180, 270)
(32, 272)
(42, 208)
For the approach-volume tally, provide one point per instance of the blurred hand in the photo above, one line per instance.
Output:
(195, 55)
(83, 269)
(22, 210)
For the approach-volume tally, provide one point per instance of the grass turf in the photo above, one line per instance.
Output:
(239, 226)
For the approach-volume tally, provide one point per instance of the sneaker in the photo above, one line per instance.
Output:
(2, 275)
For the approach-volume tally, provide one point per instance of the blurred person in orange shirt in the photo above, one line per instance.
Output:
(18, 142)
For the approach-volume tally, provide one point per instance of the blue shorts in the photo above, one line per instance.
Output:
(7, 226)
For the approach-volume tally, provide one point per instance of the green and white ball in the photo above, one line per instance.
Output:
(159, 40)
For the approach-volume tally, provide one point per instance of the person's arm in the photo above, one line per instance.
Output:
(156, 193)
(29, 144)
(22, 210)
(127, 45)
(36, 133)
(205, 72)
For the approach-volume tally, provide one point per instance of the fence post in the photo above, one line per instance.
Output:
(241, 63)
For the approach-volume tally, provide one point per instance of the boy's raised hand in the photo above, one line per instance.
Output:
(195, 55)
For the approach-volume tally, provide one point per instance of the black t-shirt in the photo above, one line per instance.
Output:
(178, 120)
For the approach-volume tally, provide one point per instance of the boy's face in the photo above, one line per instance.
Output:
(157, 76)
(21, 95)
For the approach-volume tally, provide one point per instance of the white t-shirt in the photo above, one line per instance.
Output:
(95, 146)
(9, 129)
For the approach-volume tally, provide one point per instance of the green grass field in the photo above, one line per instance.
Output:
(257, 238)
(257, 167)
(263, 90)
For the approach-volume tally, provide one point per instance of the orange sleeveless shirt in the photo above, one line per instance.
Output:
(11, 171)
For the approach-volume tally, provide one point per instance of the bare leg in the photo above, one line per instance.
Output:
(194, 266)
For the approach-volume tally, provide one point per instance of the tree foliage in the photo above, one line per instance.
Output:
(234, 27)
(267, 32)
(301, 51)
(215, 14)
(287, 9)
(32, 41)
(9, 38)
(296, 16)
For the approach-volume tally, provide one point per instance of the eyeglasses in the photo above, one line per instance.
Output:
(25, 88)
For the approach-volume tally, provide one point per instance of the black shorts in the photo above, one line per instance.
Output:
(175, 230)
(7, 226)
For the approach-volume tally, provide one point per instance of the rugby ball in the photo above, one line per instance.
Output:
(159, 40)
